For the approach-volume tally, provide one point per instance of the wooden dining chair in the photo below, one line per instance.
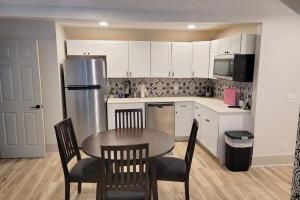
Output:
(85, 170)
(128, 118)
(126, 172)
(175, 169)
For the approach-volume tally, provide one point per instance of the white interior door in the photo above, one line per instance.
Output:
(21, 122)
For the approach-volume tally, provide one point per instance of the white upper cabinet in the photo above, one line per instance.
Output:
(161, 59)
(200, 66)
(96, 47)
(244, 44)
(117, 59)
(76, 47)
(182, 53)
(139, 59)
(230, 45)
(214, 47)
(86, 47)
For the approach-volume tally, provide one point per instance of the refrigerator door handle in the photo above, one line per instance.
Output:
(83, 87)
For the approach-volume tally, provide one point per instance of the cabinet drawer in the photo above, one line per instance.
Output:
(112, 107)
(209, 116)
(183, 106)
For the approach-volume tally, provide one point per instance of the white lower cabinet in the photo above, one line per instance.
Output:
(183, 118)
(111, 112)
(212, 127)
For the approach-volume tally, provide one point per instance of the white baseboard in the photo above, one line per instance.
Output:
(272, 160)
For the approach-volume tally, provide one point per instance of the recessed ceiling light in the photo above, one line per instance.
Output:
(103, 23)
(191, 26)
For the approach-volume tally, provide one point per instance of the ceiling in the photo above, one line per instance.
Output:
(173, 13)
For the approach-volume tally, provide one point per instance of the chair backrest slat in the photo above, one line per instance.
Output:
(129, 118)
(67, 143)
(126, 168)
(191, 146)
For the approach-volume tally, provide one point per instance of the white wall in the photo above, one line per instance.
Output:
(45, 33)
(278, 75)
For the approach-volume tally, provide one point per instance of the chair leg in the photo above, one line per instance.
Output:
(99, 192)
(187, 190)
(67, 190)
(79, 187)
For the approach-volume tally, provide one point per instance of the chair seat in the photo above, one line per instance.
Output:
(125, 195)
(170, 169)
(86, 170)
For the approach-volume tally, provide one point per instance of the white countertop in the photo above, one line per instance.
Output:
(212, 103)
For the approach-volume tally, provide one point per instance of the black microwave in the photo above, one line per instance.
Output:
(235, 67)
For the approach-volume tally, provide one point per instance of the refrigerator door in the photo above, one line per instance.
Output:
(87, 109)
(81, 71)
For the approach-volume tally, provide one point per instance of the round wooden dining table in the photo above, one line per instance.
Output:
(160, 143)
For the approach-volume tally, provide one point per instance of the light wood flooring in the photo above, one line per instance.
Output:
(30, 179)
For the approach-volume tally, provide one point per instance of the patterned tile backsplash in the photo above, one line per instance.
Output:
(158, 87)
(219, 86)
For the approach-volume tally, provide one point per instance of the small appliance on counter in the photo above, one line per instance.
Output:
(231, 96)
(207, 91)
(127, 88)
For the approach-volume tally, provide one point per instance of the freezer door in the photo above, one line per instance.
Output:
(87, 109)
(82, 71)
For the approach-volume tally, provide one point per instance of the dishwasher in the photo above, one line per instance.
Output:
(161, 116)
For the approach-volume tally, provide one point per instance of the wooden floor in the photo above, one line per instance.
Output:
(30, 179)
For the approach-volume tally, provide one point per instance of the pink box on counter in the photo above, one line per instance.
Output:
(231, 96)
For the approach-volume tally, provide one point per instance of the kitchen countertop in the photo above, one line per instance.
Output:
(211, 103)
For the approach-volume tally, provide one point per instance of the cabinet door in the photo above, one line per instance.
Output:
(235, 44)
(201, 53)
(214, 46)
(161, 59)
(117, 59)
(224, 46)
(210, 131)
(183, 118)
(76, 47)
(96, 47)
(182, 53)
(139, 59)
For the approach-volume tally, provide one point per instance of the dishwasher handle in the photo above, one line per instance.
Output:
(159, 105)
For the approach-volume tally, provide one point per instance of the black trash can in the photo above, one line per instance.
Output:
(238, 150)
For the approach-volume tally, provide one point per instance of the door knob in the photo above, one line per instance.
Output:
(35, 107)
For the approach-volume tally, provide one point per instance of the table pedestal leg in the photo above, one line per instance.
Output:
(154, 179)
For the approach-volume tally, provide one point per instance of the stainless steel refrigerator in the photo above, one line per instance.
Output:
(85, 92)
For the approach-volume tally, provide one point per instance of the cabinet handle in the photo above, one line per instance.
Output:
(83, 53)
(173, 74)
(207, 120)
(127, 74)
(130, 73)
(88, 53)
(193, 73)
(183, 106)
(198, 115)
(169, 73)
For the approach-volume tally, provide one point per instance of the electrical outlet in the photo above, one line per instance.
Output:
(290, 98)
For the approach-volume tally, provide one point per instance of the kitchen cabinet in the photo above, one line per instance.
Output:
(86, 47)
(209, 130)
(244, 44)
(161, 59)
(139, 59)
(117, 59)
(182, 53)
(230, 45)
(111, 112)
(184, 113)
(201, 59)
(214, 47)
